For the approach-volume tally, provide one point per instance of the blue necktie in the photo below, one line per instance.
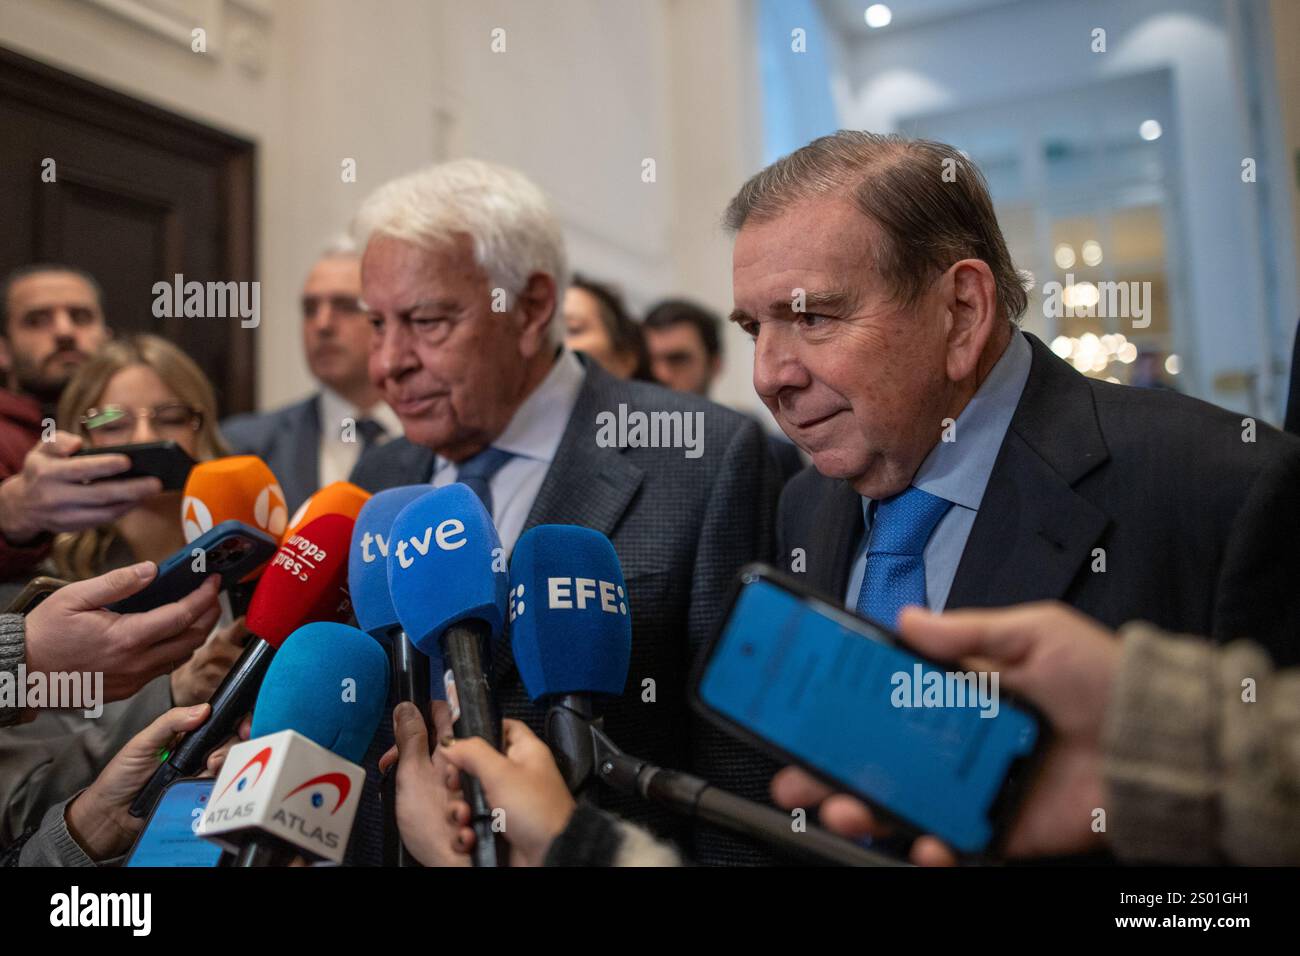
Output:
(477, 471)
(895, 573)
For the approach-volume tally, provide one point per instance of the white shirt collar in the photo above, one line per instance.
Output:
(333, 407)
(538, 424)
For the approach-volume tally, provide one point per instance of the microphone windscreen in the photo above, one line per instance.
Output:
(306, 581)
(445, 564)
(329, 682)
(570, 623)
(368, 558)
(336, 498)
(239, 488)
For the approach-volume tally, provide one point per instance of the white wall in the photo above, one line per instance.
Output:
(1011, 52)
(582, 95)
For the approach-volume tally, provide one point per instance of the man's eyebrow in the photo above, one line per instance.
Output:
(812, 302)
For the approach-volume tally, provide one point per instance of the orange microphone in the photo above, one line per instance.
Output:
(239, 488)
(338, 498)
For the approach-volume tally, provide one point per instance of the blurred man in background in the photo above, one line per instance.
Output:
(320, 439)
(685, 344)
(53, 322)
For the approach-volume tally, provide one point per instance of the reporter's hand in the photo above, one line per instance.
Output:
(523, 782)
(424, 799)
(1055, 658)
(99, 817)
(71, 631)
(51, 494)
(198, 677)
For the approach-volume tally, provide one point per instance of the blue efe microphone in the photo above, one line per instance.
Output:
(571, 633)
(368, 583)
(447, 580)
(570, 621)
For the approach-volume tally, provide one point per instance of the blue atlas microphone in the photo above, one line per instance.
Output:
(294, 786)
(571, 633)
(447, 580)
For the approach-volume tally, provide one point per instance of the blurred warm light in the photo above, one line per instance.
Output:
(1150, 130)
(1064, 255)
(878, 15)
(1173, 364)
(1062, 345)
(1091, 252)
(1127, 353)
(1112, 379)
(1094, 353)
(1081, 295)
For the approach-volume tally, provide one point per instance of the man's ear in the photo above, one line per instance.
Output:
(536, 308)
(971, 299)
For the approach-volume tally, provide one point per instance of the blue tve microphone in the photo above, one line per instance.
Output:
(295, 785)
(447, 580)
(571, 633)
(409, 669)
(368, 583)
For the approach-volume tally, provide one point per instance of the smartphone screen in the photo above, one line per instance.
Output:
(831, 691)
(170, 837)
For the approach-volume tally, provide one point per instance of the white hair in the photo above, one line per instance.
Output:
(514, 231)
(342, 246)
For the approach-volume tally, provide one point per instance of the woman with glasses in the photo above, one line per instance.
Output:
(136, 390)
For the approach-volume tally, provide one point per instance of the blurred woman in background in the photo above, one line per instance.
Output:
(136, 390)
(597, 322)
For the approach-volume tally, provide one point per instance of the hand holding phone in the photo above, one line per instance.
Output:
(60, 488)
(164, 460)
(931, 750)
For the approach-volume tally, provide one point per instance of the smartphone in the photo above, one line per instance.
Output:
(159, 459)
(231, 549)
(170, 836)
(815, 685)
(33, 593)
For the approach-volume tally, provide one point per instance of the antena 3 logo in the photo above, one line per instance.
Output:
(575, 593)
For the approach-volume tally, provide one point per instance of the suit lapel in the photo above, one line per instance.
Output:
(1034, 532)
(587, 485)
(301, 479)
(835, 528)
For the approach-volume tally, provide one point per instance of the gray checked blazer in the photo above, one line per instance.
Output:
(682, 528)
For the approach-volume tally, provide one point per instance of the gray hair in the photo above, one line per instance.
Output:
(514, 231)
(929, 200)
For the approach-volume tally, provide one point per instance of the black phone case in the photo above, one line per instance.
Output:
(233, 548)
(1003, 807)
(164, 460)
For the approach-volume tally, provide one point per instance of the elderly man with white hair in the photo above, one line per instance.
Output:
(463, 270)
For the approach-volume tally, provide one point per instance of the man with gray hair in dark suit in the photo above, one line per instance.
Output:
(319, 440)
(463, 270)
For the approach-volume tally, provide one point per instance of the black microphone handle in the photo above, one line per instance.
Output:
(462, 652)
(568, 733)
(259, 851)
(696, 798)
(234, 698)
(410, 674)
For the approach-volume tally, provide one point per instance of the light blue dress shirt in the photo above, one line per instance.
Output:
(959, 472)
